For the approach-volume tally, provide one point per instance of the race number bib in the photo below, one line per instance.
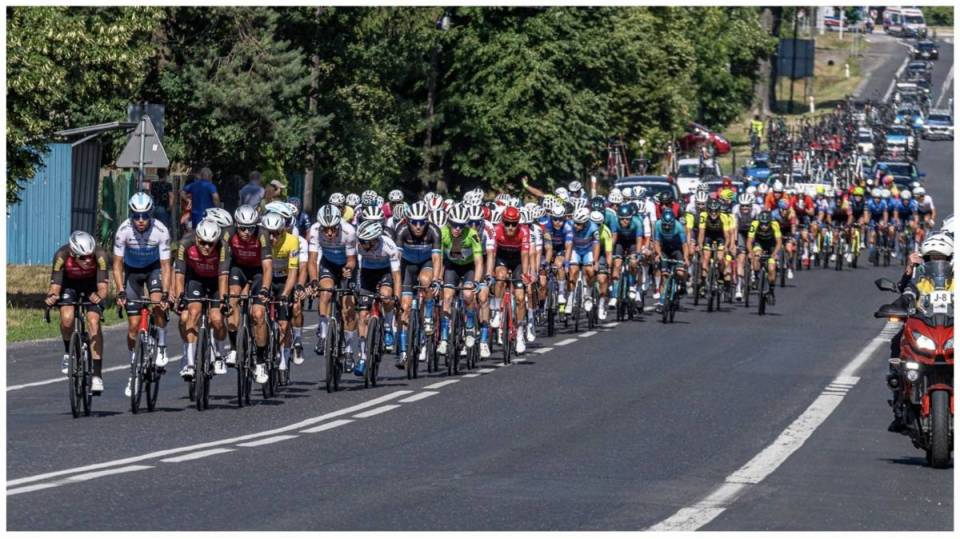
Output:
(940, 300)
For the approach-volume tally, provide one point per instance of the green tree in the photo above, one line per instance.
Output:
(67, 67)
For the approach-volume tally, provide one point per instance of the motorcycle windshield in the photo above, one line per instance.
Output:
(934, 282)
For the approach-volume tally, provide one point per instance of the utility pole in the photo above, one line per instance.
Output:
(307, 202)
(793, 61)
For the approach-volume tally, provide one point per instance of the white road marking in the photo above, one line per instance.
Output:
(157, 454)
(377, 411)
(270, 440)
(565, 342)
(893, 83)
(485, 371)
(943, 89)
(419, 396)
(77, 479)
(64, 378)
(610, 324)
(198, 455)
(767, 461)
(472, 375)
(438, 385)
(587, 334)
(543, 350)
(328, 426)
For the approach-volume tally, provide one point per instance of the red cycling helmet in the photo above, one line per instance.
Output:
(511, 215)
(486, 213)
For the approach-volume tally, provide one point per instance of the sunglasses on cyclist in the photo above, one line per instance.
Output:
(418, 222)
(367, 244)
(510, 225)
(246, 229)
(202, 243)
(476, 223)
(457, 226)
(140, 216)
(329, 229)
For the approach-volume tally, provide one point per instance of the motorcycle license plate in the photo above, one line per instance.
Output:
(940, 300)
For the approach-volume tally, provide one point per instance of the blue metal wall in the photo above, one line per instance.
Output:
(41, 221)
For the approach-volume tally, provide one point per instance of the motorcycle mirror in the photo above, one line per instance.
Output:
(891, 311)
(886, 284)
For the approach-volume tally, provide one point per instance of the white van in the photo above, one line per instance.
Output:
(904, 22)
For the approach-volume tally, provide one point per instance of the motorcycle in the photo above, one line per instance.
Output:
(926, 360)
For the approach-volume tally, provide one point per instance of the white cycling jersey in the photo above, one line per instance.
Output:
(337, 250)
(384, 255)
(926, 206)
(142, 249)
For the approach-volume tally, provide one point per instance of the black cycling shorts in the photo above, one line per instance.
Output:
(242, 276)
(133, 282)
(458, 275)
(77, 291)
(284, 311)
(197, 288)
(372, 279)
(623, 250)
(411, 273)
(514, 265)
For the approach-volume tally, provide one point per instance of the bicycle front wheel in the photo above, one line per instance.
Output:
(77, 377)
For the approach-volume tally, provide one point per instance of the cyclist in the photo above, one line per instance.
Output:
(202, 272)
(716, 229)
(462, 262)
(141, 258)
(555, 233)
(380, 272)
(511, 260)
(582, 247)
(604, 262)
(419, 244)
(480, 221)
(858, 206)
(772, 198)
(670, 242)
(528, 221)
(285, 251)
(807, 213)
(629, 237)
(743, 215)
(80, 274)
(250, 272)
(332, 258)
(875, 215)
(300, 292)
(765, 235)
(786, 217)
(904, 214)
(925, 207)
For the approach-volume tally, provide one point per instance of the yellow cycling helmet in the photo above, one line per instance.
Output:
(821, 189)
(857, 191)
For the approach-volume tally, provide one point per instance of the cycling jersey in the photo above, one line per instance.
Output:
(584, 239)
(536, 237)
(902, 211)
(511, 246)
(285, 247)
(670, 240)
(417, 250)
(142, 249)
(67, 267)
(715, 229)
(659, 209)
(628, 235)
(766, 237)
(876, 208)
(193, 263)
(925, 206)
(858, 207)
(462, 250)
(610, 218)
(250, 252)
(557, 235)
(605, 239)
(839, 212)
(383, 255)
(336, 249)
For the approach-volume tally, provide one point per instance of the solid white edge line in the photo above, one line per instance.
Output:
(419, 396)
(270, 440)
(376, 411)
(438, 385)
(63, 378)
(162, 453)
(77, 479)
(198, 455)
(328, 426)
(472, 375)
(486, 370)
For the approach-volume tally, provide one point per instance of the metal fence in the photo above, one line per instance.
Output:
(40, 223)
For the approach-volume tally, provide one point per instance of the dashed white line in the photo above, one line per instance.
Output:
(377, 411)
(419, 396)
(565, 342)
(472, 375)
(59, 380)
(587, 334)
(77, 479)
(485, 371)
(267, 441)
(328, 426)
(610, 324)
(438, 385)
(198, 455)
(543, 350)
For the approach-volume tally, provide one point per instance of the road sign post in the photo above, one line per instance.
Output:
(140, 152)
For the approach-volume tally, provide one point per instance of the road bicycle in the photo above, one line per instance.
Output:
(144, 373)
(671, 289)
(80, 364)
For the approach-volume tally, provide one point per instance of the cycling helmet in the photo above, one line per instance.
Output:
(627, 211)
(328, 216)
(762, 189)
(581, 215)
(371, 213)
(877, 192)
(713, 205)
(208, 231)
(937, 244)
(615, 197)
(438, 217)
(574, 186)
(273, 222)
(745, 200)
(752, 190)
(666, 197)
(434, 203)
(352, 200)
(475, 213)
(337, 199)
(857, 191)
(838, 193)
(783, 204)
(525, 218)
(220, 216)
(668, 218)
(511, 215)
(596, 217)
(82, 243)
(395, 196)
(447, 202)
(821, 189)
(369, 230)
(701, 196)
(368, 198)
(295, 202)
(597, 204)
(919, 191)
(496, 215)
(905, 194)
(285, 210)
(562, 193)
(885, 193)
(765, 217)
(141, 203)
(417, 212)
(558, 212)
(778, 186)
(246, 215)
(888, 179)
(457, 214)
(639, 191)
(537, 212)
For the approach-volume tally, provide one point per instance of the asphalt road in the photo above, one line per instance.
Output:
(622, 429)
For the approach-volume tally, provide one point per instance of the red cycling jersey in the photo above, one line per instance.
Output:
(675, 206)
(512, 245)
(249, 253)
(190, 261)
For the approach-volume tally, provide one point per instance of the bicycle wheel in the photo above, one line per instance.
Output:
(87, 362)
(782, 268)
(762, 294)
(506, 324)
(746, 285)
(695, 279)
(330, 357)
(76, 379)
(370, 339)
(241, 364)
(137, 373)
(377, 356)
(667, 300)
(199, 371)
(711, 285)
(552, 309)
(413, 344)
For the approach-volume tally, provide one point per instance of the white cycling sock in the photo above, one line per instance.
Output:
(297, 334)
(351, 338)
(191, 352)
(322, 327)
(161, 336)
(363, 349)
(220, 347)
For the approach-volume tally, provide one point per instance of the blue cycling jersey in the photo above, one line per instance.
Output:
(628, 234)
(558, 234)
(903, 211)
(876, 207)
(584, 239)
(670, 240)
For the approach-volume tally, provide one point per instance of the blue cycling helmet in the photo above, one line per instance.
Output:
(668, 218)
(626, 211)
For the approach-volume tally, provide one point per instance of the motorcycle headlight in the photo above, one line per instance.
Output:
(924, 342)
(912, 365)
(949, 345)
(913, 375)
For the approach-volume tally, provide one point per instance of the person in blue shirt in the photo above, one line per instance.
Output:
(582, 250)
(203, 194)
(670, 242)
(555, 233)
(875, 214)
(628, 237)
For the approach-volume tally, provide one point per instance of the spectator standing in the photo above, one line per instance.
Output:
(252, 193)
(273, 191)
(161, 190)
(203, 194)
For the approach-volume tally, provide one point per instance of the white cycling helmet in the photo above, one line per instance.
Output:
(751, 190)
(876, 192)
(777, 186)
(581, 215)
(369, 230)
(140, 203)
(438, 217)
(273, 222)
(457, 214)
(395, 196)
(371, 213)
(579, 203)
(919, 191)
(82, 243)
(939, 243)
(496, 215)
(475, 213)
(639, 191)
(434, 203)
(905, 194)
(574, 186)
(562, 193)
(379, 201)
(208, 231)
(282, 208)
(352, 200)
(627, 193)
(328, 216)
(337, 199)
(525, 218)
(417, 212)
(762, 189)
(368, 198)
(615, 197)
(447, 202)
(884, 193)
(220, 216)
(701, 196)
(596, 217)
(745, 200)
(246, 215)
(472, 198)
(558, 212)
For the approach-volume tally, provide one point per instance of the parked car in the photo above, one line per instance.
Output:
(939, 125)
(654, 185)
(758, 168)
(690, 172)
